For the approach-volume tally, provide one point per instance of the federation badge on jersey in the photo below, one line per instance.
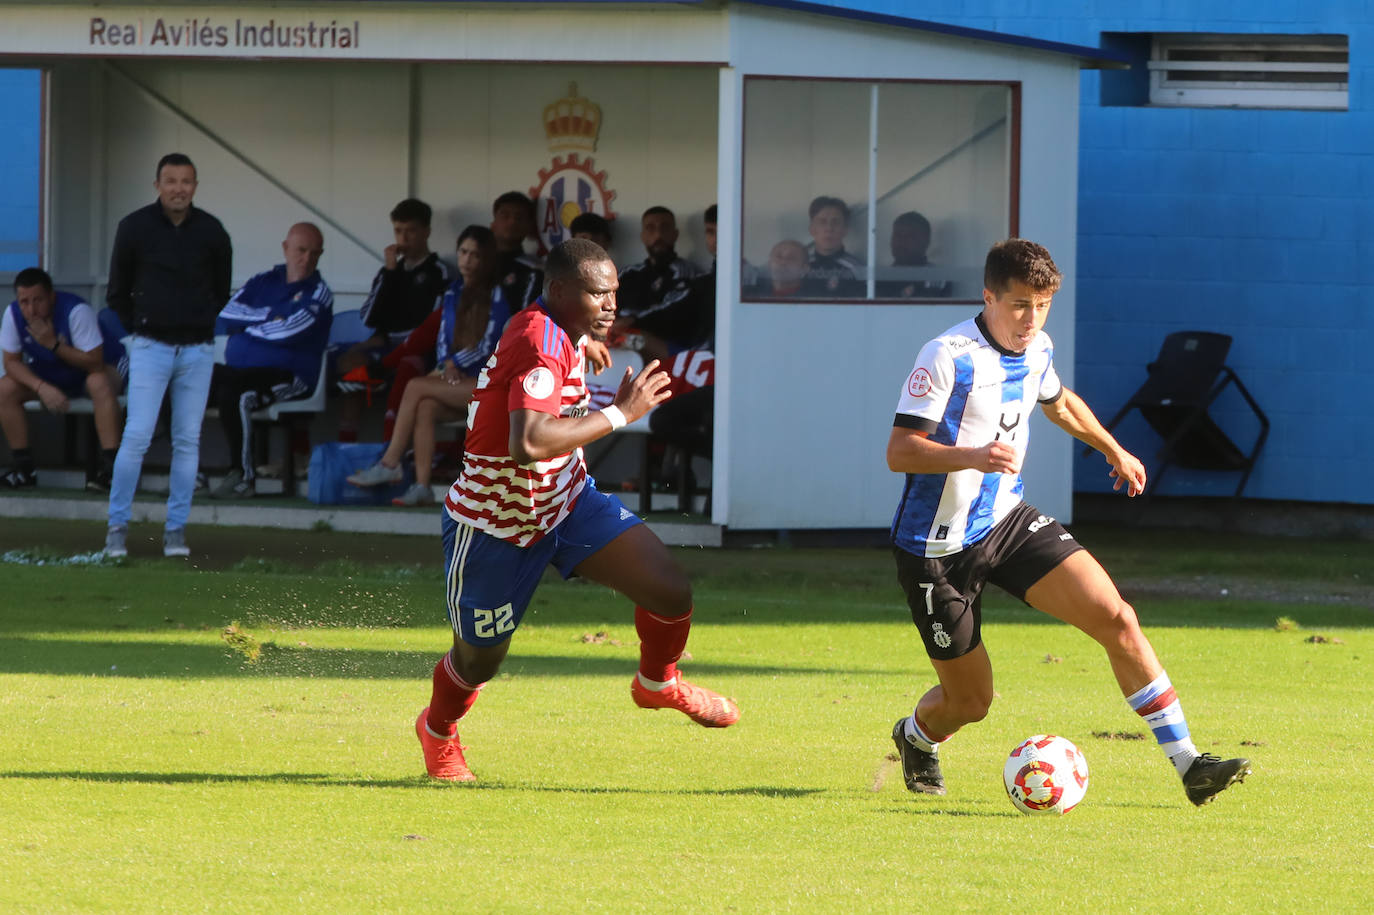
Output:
(539, 383)
(918, 385)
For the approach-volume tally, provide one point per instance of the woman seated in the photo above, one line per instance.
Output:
(473, 314)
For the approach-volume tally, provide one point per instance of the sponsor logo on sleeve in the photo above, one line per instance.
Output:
(539, 383)
(918, 385)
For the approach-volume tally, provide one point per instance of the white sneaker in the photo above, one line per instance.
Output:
(377, 475)
(417, 494)
(116, 545)
(174, 542)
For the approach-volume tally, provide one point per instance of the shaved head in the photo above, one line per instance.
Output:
(307, 231)
(302, 249)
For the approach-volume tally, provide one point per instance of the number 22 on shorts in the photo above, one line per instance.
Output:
(489, 623)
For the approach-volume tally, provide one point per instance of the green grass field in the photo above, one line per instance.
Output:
(146, 764)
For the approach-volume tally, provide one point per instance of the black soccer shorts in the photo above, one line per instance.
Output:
(945, 593)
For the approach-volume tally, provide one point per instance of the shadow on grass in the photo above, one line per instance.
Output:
(326, 780)
(160, 659)
(921, 810)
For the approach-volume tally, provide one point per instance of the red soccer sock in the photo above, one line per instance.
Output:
(661, 642)
(451, 699)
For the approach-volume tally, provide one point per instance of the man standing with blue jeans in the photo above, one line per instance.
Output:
(169, 278)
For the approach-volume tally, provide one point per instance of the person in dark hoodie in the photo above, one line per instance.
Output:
(169, 278)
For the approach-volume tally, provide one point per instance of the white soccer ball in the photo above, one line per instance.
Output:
(1046, 774)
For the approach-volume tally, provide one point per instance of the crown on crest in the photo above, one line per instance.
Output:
(572, 122)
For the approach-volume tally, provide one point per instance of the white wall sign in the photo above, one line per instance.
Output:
(364, 32)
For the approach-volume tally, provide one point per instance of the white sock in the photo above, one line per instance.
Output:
(917, 738)
(654, 686)
(1181, 753)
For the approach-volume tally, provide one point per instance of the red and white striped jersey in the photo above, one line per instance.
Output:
(535, 367)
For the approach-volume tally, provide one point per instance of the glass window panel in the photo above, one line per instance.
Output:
(943, 179)
(804, 140)
(943, 188)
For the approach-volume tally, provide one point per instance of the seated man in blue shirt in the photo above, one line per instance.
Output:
(55, 349)
(279, 326)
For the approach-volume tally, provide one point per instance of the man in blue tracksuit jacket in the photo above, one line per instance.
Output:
(278, 326)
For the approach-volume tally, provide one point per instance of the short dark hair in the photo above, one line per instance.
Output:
(516, 198)
(32, 276)
(823, 202)
(914, 220)
(173, 159)
(1016, 259)
(590, 222)
(412, 210)
(567, 257)
(709, 217)
(658, 211)
(484, 237)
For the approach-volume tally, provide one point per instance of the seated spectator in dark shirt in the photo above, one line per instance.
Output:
(404, 292)
(657, 310)
(788, 275)
(593, 227)
(55, 349)
(907, 279)
(520, 276)
(278, 327)
(834, 270)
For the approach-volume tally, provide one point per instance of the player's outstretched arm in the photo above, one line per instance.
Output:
(1075, 417)
(910, 451)
(536, 436)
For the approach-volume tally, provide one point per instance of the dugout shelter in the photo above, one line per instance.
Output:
(332, 112)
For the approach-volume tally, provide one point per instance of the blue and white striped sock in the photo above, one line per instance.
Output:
(1158, 704)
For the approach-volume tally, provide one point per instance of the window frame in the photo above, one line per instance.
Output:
(1013, 179)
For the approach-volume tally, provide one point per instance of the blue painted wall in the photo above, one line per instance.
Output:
(1254, 223)
(19, 126)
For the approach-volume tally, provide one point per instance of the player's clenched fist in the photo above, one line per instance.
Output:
(997, 457)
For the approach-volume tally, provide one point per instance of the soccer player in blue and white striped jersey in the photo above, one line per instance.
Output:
(960, 435)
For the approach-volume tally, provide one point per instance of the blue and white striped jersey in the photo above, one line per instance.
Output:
(966, 390)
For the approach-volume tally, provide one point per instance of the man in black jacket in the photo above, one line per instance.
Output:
(169, 278)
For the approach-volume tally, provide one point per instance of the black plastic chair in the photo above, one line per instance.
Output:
(1186, 378)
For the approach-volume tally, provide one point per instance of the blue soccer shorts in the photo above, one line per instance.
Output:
(489, 581)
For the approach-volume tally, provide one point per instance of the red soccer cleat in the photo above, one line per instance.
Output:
(706, 708)
(443, 758)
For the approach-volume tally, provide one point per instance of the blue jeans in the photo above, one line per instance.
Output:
(153, 368)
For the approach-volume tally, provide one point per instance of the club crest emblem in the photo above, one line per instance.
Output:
(571, 185)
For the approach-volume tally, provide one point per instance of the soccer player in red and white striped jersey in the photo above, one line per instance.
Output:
(524, 500)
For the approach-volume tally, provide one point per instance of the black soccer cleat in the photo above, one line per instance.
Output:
(920, 770)
(1209, 775)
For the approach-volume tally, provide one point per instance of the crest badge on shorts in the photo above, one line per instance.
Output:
(570, 186)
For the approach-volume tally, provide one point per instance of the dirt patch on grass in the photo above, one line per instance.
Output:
(1218, 588)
